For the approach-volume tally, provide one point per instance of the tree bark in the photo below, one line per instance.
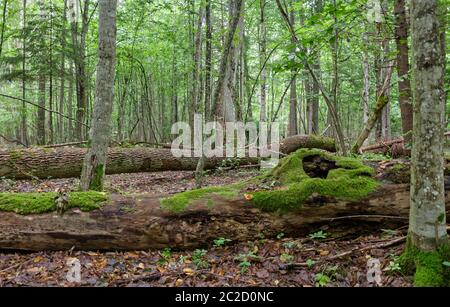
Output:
(293, 122)
(218, 99)
(427, 226)
(404, 84)
(262, 59)
(139, 222)
(67, 162)
(94, 166)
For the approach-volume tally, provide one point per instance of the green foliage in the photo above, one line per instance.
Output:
(318, 235)
(198, 259)
(36, 203)
(166, 254)
(350, 181)
(246, 259)
(221, 242)
(322, 280)
(287, 258)
(310, 263)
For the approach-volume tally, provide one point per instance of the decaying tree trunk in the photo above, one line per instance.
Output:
(66, 163)
(139, 223)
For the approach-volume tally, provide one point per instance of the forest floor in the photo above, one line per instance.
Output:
(262, 262)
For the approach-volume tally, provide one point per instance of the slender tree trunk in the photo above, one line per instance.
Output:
(62, 75)
(194, 106)
(24, 127)
(427, 226)
(292, 123)
(218, 93)
(366, 93)
(41, 111)
(404, 85)
(70, 103)
(93, 172)
(41, 135)
(262, 58)
(79, 44)
(208, 60)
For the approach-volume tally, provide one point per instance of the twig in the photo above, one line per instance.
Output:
(45, 109)
(65, 144)
(350, 252)
(15, 266)
(364, 216)
(12, 141)
(148, 277)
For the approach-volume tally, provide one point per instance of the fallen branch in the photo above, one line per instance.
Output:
(348, 253)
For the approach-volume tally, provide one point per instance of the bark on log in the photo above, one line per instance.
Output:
(139, 223)
(65, 163)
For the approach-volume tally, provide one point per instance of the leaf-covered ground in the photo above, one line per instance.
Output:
(281, 261)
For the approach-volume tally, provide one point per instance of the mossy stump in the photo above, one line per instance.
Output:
(430, 268)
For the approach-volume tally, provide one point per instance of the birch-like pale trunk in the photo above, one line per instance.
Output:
(427, 224)
(95, 161)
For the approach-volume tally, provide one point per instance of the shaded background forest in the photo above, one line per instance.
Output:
(168, 58)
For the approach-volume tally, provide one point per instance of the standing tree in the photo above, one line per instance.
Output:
(94, 164)
(428, 247)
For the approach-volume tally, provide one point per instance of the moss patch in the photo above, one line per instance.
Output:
(351, 180)
(97, 180)
(287, 186)
(428, 267)
(35, 203)
(179, 202)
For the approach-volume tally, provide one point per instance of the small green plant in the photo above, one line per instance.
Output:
(319, 235)
(322, 280)
(280, 236)
(245, 260)
(290, 245)
(310, 263)
(221, 242)
(244, 265)
(393, 267)
(166, 254)
(182, 259)
(286, 258)
(198, 259)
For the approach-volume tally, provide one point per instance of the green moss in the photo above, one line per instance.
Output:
(179, 202)
(97, 182)
(351, 180)
(35, 203)
(427, 266)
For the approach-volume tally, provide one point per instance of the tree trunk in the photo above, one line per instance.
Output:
(404, 84)
(24, 127)
(427, 227)
(262, 59)
(293, 122)
(79, 45)
(208, 60)
(218, 98)
(94, 165)
(65, 163)
(139, 222)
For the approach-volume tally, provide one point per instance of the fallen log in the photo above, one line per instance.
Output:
(67, 162)
(395, 148)
(304, 191)
(139, 222)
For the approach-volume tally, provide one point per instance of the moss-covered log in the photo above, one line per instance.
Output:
(308, 188)
(67, 162)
